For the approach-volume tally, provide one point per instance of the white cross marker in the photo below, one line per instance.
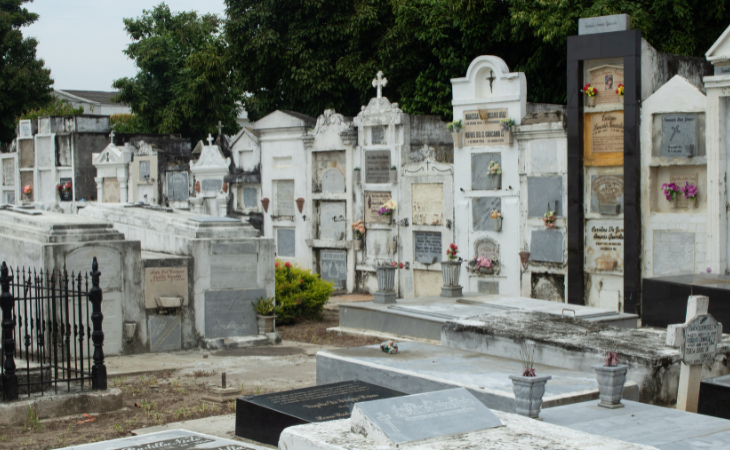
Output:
(210, 139)
(380, 82)
(111, 137)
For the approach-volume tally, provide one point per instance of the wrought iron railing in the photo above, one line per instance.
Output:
(48, 322)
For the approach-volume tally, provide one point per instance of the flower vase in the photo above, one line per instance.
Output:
(496, 182)
(386, 285)
(266, 324)
(610, 384)
(25, 201)
(528, 394)
(622, 98)
(498, 224)
(358, 244)
(457, 137)
(693, 204)
(450, 272)
(357, 176)
(486, 270)
(393, 177)
(591, 101)
(674, 203)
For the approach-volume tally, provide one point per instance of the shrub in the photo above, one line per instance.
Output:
(300, 293)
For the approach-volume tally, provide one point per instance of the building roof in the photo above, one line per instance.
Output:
(311, 121)
(105, 98)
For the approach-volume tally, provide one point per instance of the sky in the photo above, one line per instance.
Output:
(81, 41)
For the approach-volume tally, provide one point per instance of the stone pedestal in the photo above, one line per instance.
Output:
(384, 297)
(451, 291)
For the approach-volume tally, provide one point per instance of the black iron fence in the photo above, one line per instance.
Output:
(52, 338)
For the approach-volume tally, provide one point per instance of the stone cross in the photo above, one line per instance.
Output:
(210, 139)
(220, 127)
(380, 82)
(491, 79)
(111, 137)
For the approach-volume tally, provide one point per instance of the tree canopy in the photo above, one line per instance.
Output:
(309, 55)
(184, 82)
(24, 82)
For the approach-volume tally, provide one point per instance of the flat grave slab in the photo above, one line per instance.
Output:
(419, 367)
(715, 397)
(262, 418)
(169, 440)
(639, 423)
(665, 298)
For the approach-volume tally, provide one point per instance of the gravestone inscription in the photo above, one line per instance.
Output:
(722, 70)
(671, 247)
(333, 267)
(481, 209)
(427, 203)
(373, 201)
(427, 246)
(604, 245)
(480, 179)
(284, 198)
(700, 340)
(547, 246)
(377, 166)
(607, 194)
(679, 135)
(178, 189)
(286, 242)
(332, 221)
(262, 418)
(423, 416)
(544, 194)
(606, 79)
(483, 128)
(607, 132)
(230, 313)
(211, 184)
(680, 179)
(111, 190)
(165, 282)
(604, 24)
(333, 181)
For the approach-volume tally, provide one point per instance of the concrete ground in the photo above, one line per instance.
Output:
(335, 302)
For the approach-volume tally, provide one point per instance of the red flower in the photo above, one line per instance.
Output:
(453, 246)
(400, 266)
(287, 265)
(276, 264)
(393, 264)
(301, 280)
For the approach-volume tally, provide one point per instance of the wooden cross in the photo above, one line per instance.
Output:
(380, 82)
(491, 79)
(210, 139)
(111, 137)
(220, 127)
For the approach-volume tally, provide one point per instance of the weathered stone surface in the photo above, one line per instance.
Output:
(427, 203)
(607, 194)
(333, 181)
(544, 156)
(674, 252)
(547, 246)
(332, 222)
(8, 172)
(284, 198)
(481, 209)
(479, 166)
(111, 191)
(478, 132)
(230, 313)
(427, 246)
(544, 194)
(373, 201)
(233, 265)
(679, 135)
(377, 166)
(170, 440)
(604, 246)
(178, 188)
(165, 333)
(286, 242)
(250, 197)
(488, 287)
(377, 135)
(333, 267)
(165, 282)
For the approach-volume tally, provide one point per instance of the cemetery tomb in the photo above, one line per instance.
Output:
(482, 128)
(333, 222)
(480, 179)
(178, 187)
(170, 440)
(373, 201)
(333, 267)
(284, 198)
(427, 203)
(427, 246)
(286, 242)
(263, 418)
(377, 166)
(481, 207)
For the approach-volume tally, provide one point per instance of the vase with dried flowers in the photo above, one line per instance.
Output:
(528, 387)
(359, 229)
(611, 377)
(497, 217)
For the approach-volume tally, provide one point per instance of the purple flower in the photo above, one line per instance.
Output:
(689, 190)
(709, 270)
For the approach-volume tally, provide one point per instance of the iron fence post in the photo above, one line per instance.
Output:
(10, 379)
(98, 371)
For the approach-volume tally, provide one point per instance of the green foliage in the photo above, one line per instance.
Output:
(300, 293)
(266, 306)
(184, 82)
(127, 123)
(57, 107)
(24, 82)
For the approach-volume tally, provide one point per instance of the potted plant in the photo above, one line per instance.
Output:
(671, 191)
(359, 229)
(266, 309)
(451, 269)
(387, 209)
(611, 376)
(507, 125)
(497, 216)
(528, 388)
(590, 93)
(620, 92)
(357, 175)
(27, 193)
(393, 175)
(64, 191)
(549, 219)
(457, 132)
(690, 193)
(495, 171)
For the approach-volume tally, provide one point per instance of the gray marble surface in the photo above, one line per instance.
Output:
(169, 440)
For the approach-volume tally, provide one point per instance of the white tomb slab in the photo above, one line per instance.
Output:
(170, 440)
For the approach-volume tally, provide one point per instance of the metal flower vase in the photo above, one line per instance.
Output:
(386, 285)
(458, 137)
(528, 394)
(450, 272)
(591, 101)
(611, 382)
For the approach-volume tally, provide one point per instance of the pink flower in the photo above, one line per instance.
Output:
(401, 265)
(287, 265)
(393, 264)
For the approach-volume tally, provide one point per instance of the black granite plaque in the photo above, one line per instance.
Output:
(66, 196)
(664, 299)
(715, 397)
(262, 418)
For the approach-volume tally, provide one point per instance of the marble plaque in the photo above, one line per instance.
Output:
(376, 244)
(332, 221)
(333, 181)
(427, 247)
(111, 190)
(63, 149)
(9, 197)
(230, 313)
(479, 133)
(284, 198)
(165, 333)
(679, 179)
(679, 135)
(165, 282)
(144, 170)
(604, 246)
(250, 197)
(423, 416)
(377, 166)
(27, 153)
(700, 340)
(722, 70)
(333, 267)
(547, 246)
(427, 203)
(544, 156)
(607, 194)
(178, 186)
(233, 265)
(168, 440)
(46, 189)
(607, 132)
(373, 201)
(606, 79)
(481, 208)
(486, 248)
(674, 253)
(212, 185)
(285, 242)
(544, 194)
(8, 172)
(488, 287)
(377, 135)
(25, 129)
(604, 24)
(479, 167)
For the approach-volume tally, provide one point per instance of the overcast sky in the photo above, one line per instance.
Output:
(81, 41)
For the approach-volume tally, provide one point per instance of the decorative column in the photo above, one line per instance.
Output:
(98, 371)
(99, 189)
(10, 380)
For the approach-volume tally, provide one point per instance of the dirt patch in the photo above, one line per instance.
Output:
(315, 332)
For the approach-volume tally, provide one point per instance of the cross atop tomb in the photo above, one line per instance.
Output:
(210, 139)
(111, 137)
(220, 127)
(379, 83)
(491, 79)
